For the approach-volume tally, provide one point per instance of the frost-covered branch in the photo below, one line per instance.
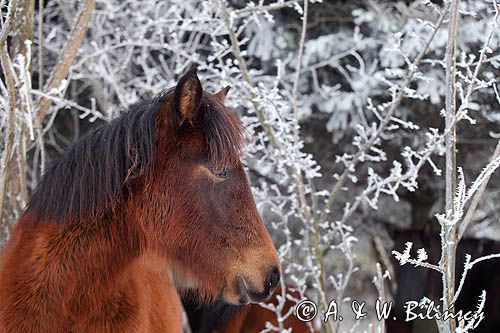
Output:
(11, 88)
(449, 232)
(67, 56)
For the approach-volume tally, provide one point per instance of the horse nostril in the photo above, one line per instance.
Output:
(272, 278)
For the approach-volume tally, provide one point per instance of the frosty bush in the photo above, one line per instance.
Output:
(347, 107)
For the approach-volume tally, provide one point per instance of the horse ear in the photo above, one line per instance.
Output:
(221, 95)
(187, 95)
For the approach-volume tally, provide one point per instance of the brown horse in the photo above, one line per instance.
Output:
(156, 200)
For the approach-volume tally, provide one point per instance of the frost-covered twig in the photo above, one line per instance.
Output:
(467, 267)
(404, 258)
(67, 103)
(40, 43)
(340, 284)
(7, 26)
(477, 197)
(379, 282)
(266, 8)
(296, 131)
(466, 326)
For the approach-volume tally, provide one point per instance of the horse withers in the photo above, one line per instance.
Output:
(151, 204)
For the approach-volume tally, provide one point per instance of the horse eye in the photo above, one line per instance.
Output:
(219, 173)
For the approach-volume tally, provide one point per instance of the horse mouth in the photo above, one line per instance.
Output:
(242, 290)
(248, 296)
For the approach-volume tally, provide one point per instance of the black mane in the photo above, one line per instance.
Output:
(95, 174)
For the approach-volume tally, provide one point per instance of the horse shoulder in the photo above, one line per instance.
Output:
(142, 299)
(24, 305)
(38, 294)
